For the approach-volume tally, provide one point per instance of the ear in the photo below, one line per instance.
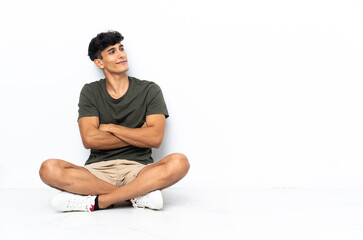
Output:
(98, 63)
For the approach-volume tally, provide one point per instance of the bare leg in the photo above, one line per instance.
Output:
(66, 176)
(156, 176)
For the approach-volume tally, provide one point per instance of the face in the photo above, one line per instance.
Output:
(114, 59)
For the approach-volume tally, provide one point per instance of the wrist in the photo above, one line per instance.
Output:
(110, 127)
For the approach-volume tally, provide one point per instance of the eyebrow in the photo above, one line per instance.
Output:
(114, 48)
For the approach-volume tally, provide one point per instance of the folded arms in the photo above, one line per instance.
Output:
(111, 136)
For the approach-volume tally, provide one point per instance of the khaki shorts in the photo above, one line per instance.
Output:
(118, 172)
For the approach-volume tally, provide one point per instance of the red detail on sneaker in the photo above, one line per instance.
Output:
(92, 208)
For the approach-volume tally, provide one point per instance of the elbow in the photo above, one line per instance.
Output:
(157, 142)
(157, 145)
(86, 145)
(87, 142)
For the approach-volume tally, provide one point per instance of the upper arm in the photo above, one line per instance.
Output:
(87, 105)
(88, 126)
(155, 101)
(157, 122)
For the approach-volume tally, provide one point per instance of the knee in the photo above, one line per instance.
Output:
(179, 163)
(48, 170)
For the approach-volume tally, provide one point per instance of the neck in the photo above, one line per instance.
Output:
(117, 84)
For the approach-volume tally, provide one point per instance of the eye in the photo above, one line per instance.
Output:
(111, 52)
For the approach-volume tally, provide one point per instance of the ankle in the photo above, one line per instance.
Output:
(101, 202)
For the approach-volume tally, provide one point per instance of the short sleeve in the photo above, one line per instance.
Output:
(156, 103)
(86, 104)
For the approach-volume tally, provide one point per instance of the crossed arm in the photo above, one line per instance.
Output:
(111, 136)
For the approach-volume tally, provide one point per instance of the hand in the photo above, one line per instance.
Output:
(144, 125)
(104, 127)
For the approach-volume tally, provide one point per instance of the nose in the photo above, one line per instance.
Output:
(121, 54)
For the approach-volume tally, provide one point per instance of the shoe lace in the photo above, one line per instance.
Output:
(140, 202)
(75, 202)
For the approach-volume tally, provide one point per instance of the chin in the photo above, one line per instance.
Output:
(125, 68)
(122, 70)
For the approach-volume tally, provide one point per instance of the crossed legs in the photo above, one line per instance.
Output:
(66, 176)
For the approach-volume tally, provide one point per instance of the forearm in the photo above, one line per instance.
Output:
(104, 141)
(145, 137)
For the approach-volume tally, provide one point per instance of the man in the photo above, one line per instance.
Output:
(120, 119)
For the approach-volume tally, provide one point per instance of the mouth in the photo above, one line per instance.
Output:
(122, 62)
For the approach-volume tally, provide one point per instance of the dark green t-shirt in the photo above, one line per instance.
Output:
(142, 98)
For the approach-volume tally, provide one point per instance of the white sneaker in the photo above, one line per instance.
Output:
(152, 200)
(66, 202)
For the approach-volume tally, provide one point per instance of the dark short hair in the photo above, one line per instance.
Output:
(101, 42)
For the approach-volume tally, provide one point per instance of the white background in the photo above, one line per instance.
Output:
(260, 93)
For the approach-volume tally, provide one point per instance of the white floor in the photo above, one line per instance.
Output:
(292, 214)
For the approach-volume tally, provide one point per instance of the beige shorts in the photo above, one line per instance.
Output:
(118, 172)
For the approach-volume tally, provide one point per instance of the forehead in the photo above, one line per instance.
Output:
(112, 46)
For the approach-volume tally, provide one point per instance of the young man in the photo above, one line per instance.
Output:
(120, 119)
